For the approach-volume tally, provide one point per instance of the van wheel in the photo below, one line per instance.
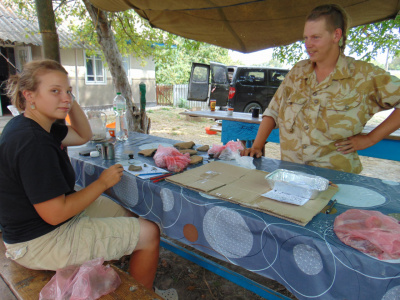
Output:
(249, 107)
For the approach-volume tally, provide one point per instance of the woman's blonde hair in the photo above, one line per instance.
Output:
(28, 80)
(335, 17)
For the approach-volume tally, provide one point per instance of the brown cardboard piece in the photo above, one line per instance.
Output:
(244, 187)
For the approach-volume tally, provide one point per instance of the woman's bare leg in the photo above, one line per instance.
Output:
(144, 259)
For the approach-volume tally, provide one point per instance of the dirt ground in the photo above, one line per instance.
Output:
(191, 280)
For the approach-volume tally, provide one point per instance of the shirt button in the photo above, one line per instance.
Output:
(315, 94)
(346, 107)
(316, 101)
(304, 146)
(306, 127)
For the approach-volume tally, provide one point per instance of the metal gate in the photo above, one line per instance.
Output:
(165, 95)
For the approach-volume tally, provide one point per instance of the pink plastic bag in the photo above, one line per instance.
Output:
(89, 281)
(370, 232)
(231, 145)
(171, 158)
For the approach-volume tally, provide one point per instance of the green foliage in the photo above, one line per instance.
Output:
(176, 63)
(366, 41)
(273, 63)
(395, 63)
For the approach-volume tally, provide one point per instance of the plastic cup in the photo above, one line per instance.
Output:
(255, 113)
(213, 103)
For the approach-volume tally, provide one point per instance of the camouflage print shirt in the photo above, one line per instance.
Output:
(312, 116)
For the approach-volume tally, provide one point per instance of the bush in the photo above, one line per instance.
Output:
(183, 103)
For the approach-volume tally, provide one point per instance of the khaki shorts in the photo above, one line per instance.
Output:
(102, 230)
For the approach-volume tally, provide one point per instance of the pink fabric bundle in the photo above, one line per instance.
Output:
(89, 281)
(171, 158)
(370, 232)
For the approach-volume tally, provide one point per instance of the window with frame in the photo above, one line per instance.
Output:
(276, 77)
(95, 71)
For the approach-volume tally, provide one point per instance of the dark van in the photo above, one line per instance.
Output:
(241, 87)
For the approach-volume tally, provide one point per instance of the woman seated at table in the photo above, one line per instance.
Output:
(324, 102)
(46, 224)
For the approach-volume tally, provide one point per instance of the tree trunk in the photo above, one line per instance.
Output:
(48, 31)
(47, 25)
(113, 57)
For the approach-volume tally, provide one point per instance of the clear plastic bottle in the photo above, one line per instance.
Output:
(121, 126)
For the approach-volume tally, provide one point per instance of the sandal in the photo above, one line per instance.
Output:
(170, 294)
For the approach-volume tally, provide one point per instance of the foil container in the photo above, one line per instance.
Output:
(297, 183)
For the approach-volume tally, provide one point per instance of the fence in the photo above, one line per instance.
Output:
(176, 95)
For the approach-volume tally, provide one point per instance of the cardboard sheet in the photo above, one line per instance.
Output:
(244, 187)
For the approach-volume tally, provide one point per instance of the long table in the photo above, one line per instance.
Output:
(243, 127)
(310, 261)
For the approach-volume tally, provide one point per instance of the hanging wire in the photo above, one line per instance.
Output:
(18, 71)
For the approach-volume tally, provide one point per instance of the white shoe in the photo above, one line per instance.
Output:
(170, 294)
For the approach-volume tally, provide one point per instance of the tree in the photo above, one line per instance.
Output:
(137, 121)
(50, 48)
(366, 41)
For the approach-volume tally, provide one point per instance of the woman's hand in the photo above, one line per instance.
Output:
(111, 176)
(252, 152)
(79, 132)
(61, 208)
(354, 143)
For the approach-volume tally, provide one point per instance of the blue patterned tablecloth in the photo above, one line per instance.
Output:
(310, 261)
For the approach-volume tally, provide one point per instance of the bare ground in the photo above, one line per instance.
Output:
(191, 280)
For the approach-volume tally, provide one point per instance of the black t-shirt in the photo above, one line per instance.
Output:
(33, 168)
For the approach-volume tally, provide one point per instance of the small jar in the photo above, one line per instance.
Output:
(230, 111)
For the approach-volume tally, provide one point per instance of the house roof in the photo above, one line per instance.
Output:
(16, 30)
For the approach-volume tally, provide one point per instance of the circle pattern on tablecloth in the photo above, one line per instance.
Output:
(190, 232)
(154, 146)
(392, 294)
(390, 182)
(227, 232)
(89, 168)
(358, 196)
(207, 196)
(127, 191)
(168, 199)
(307, 259)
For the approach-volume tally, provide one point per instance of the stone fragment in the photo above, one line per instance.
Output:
(135, 168)
(195, 159)
(148, 152)
(203, 148)
(185, 145)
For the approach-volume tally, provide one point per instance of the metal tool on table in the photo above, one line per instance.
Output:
(329, 209)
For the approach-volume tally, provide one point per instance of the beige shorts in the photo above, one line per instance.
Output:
(102, 230)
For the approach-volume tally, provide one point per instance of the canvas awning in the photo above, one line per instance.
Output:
(245, 26)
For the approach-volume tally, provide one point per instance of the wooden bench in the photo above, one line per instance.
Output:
(25, 284)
